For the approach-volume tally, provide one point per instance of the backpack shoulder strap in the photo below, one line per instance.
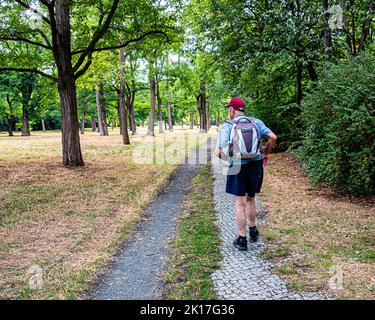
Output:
(250, 119)
(232, 122)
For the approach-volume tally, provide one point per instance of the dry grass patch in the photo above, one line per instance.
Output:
(69, 221)
(314, 229)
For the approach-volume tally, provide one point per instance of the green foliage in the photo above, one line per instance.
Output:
(339, 119)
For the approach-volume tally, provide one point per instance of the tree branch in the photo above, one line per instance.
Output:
(44, 36)
(46, 3)
(25, 5)
(97, 36)
(85, 67)
(27, 41)
(33, 70)
(126, 43)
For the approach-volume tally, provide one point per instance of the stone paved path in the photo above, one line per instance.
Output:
(244, 275)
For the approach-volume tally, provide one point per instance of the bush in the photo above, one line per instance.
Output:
(339, 138)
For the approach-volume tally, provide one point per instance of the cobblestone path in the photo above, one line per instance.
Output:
(244, 275)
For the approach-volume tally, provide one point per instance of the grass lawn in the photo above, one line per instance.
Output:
(314, 231)
(70, 221)
(196, 252)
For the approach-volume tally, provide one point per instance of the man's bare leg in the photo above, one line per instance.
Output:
(241, 215)
(251, 211)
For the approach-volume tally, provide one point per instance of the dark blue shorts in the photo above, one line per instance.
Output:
(248, 181)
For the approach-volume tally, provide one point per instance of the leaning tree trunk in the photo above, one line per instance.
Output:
(122, 104)
(93, 124)
(150, 131)
(169, 116)
(72, 155)
(83, 122)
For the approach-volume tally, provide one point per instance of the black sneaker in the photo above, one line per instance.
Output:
(254, 234)
(240, 243)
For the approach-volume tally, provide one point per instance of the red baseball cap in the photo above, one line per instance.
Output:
(237, 104)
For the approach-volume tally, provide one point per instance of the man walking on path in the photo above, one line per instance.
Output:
(240, 141)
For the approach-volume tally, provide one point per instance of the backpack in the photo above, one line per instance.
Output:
(245, 141)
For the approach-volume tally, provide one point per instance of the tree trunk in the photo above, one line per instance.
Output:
(43, 126)
(191, 120)
(150, 131)
(208, 117)
(217, 119)
(169, 116)
(83, 122)
(370, 8)
(312, 73)
(10, 118)
(132, 118)
(122, 104)
(93, 123)
(202, 108)
(348, 38)
(129, 120)
(10, 125)
(133, 65)
(104, 113)
(25, 121)
(327, 29)
(202, 114)
(118, 113)
(72, 155)
(99, 112)
(298, 82)
(160, 113)
(27, 90)
(354, 40)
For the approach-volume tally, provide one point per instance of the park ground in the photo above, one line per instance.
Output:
(70, 221)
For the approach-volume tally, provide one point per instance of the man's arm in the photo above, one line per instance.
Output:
(218, 152)
(222, 139)
(270, 143)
